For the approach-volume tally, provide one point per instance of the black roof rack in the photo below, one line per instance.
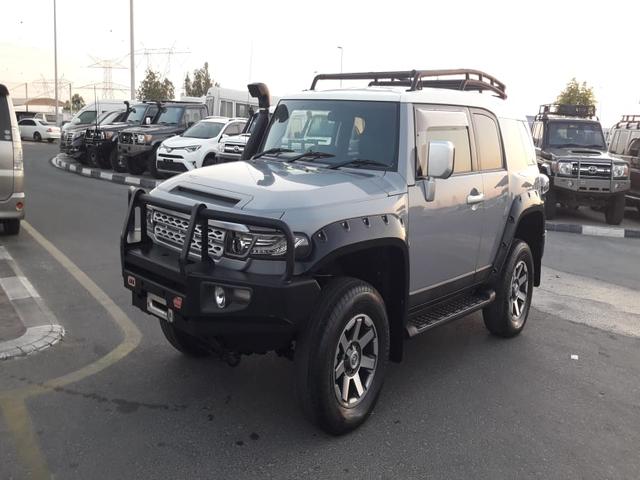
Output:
(566, 110)
(462, 79)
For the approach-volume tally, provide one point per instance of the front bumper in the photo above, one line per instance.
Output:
(176, 161)
(133, 149)
(72, 146)
(166, 284)
(588, 191)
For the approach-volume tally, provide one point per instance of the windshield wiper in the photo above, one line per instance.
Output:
(272, 151)
(359, 162)
(311, 155)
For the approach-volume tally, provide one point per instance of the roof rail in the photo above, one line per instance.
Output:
(463, 79)
(630, 118)
(566, 110)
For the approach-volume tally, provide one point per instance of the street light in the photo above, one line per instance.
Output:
(131, 54)
(341, 55)
(55, 59)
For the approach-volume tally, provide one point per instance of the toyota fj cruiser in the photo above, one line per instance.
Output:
(101, 141)
(138, 145)
(625, 144)
(416, 206)
(571, 151)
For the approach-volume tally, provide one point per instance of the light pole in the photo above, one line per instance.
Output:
(55, 59)
(341, 56)
(131, 54)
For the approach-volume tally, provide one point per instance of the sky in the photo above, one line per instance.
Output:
(534, 47)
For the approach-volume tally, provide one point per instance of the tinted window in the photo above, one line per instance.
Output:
(459, 136)
(87, 116)
(5, 119)
(565, 134)
(233, 129)
(136, 114)
(27, 123)
(488, 140)
(203, 130)
(517, 144)
(170, 115)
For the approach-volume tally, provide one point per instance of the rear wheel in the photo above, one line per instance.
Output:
(12, 227)
(37, 137)
(117, 162)
(615, 210)
(135, 166)
(342, 355)
(182, 341)
(551, 205)
(506, 316)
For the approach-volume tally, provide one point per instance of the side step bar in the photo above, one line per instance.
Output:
(447, 311)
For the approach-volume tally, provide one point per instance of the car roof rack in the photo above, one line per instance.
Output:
(566, 110)
(628, 121)
(463, 79)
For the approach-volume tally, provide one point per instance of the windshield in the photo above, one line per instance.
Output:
(170, 115)
(347, 130)
(576, 134)
(88, 116)
(108, 117)
(204, 130)
(136, 113)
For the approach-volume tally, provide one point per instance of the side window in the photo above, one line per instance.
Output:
(517, 144)
(196, 115)
(232, 129)
(614, 141)
(623, 141)
(226, 108)
(5, 119)
(537, 134)
(152, 112)
(459, 136)
(488, 142)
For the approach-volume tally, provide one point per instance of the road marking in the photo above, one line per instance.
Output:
(603, 231)
(132, 180)
(18, 288)
(106, 176)
(12, 402)
(4, 254)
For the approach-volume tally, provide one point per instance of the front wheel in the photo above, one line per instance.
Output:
(342, 355)
(182, 341)
(209, 160)
(615, 210)
(135, 166)
(37, 137)
(118, 162)
(506, 316)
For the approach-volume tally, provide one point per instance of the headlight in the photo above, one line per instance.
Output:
(140, 138)
(107, 135)
(265, 245)
(148, 138)
(192, 148)
(77, 134)
(565, 168)
(620, 170)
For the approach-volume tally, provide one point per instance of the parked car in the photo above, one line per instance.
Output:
(197, 146)
(571, 151)
(102, 140)
(38, 130)
(12, 198)
(230, 149)
(424, 205)
(72, 139)
(138, 145)
(625, 145)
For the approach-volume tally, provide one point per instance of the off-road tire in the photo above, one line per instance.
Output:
(37, 137)
(135, 166)
(499, 317)
(182, 341)
(614, 213)
(551, 205)
(318, 349)
(114, 161)
(11, 227)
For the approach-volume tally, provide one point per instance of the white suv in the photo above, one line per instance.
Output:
(196, 147)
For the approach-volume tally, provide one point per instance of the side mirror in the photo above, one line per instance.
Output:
(147, 120)
(439, 160)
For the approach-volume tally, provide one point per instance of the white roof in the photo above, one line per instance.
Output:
(438, 96)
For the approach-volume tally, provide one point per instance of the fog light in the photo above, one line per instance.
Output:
(570, 183)
(221, 297)
(19, 206)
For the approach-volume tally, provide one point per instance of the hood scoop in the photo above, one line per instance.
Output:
(206, 197)
(585, 151)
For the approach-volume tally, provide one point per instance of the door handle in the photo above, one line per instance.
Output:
(474, 199)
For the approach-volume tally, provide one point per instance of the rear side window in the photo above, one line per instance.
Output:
(488, 142)
(517, 144)
(5, 119)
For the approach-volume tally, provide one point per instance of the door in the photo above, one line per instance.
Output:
(27, 128)
(6, 147)
(444, 234)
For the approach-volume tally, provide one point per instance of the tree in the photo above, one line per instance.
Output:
(77, 102)
(201, 82)
(154, 87)
(577, 94)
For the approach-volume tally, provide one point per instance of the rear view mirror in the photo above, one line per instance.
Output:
(439, 160)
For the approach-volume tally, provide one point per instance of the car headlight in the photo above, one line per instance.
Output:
(192, 148)
(107, 135)
(78, 134)
(565, 168)
(140, 138)
(620, 170)
(265, 245)
(148, 138)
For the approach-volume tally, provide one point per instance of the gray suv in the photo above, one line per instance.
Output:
(409, 203)
(11, 167)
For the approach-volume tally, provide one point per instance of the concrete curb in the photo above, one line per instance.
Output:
(59, 161)
(612, 232)
(42, 329)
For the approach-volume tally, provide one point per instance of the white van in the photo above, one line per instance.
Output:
(87, 114)
(11, 169)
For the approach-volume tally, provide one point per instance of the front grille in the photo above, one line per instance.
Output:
(591, 170)
(124, 137)
(169, 166)
(171, 230)
(237, 149)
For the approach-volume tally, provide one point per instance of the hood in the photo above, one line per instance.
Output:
(155, 129)
(178, 141)
(578, 153)
(273, 187)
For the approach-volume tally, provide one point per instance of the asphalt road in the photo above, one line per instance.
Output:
(462, 405)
